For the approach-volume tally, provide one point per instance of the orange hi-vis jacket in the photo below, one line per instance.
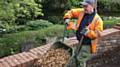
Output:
(95, 27)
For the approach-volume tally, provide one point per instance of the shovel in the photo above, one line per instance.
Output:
(73, 61)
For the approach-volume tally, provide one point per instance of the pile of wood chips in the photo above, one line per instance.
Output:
(54, 58)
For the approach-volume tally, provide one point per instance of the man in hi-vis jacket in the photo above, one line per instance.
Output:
(89, 25)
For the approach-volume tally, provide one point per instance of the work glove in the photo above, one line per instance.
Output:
(85, 31)
(67, 21)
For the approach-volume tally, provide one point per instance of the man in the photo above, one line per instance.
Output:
(89, 25)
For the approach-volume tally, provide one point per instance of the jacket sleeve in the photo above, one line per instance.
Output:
(99, 25)
(73, 13)
(96, 33)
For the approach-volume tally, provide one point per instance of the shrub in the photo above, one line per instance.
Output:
(12, 43)
(53, 31)
(38, 24)
(56, 19)
(108, 6)
(19, 11)
(21, 28)
(31, 25)
(75, 3)
(7, 27)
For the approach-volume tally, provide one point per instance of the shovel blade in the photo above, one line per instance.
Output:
(71, 63)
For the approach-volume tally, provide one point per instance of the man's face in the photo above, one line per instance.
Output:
(88, 8)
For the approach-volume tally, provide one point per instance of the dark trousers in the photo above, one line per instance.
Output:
(84, 55)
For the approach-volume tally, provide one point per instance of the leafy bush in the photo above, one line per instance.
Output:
(31, 25)
(6, 11)
(75, 3)
(7, 27)
(53, 10)
(108, 5)
(19, 28)
(12, 43)
(56, 19)
(54, 5)
(38, 24)
(52, 31)
(11, 28)
(19, 11)
(27, 10)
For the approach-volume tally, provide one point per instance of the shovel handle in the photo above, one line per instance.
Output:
(64, 32)
(79, 45)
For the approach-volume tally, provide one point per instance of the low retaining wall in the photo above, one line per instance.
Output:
(107, 51)
(24, 59)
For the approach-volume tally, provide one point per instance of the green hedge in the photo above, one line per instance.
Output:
(38, 24)
(56, 19)
(31, 25)
(11, 43)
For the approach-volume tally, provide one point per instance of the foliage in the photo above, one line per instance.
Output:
(54, 5)
(108, 5)
(38, 24)
(27, 10)
(56, 19)
(19, 10)
(31, 25)
(54, 9)
(6, 11)
(75, 3)
(6, 27)
(110, 22)
(13, 42)
(54, 31)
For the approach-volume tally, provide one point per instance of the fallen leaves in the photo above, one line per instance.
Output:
(54, 58)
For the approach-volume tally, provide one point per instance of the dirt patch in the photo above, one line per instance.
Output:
(110, 58)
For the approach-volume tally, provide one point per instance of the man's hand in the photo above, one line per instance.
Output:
(67, 21)
(85, 31)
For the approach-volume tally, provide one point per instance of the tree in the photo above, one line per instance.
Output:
(17, 10)
(75, 3)
(27, 10)
(57, 7)
(6, 11)
(53, 9)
